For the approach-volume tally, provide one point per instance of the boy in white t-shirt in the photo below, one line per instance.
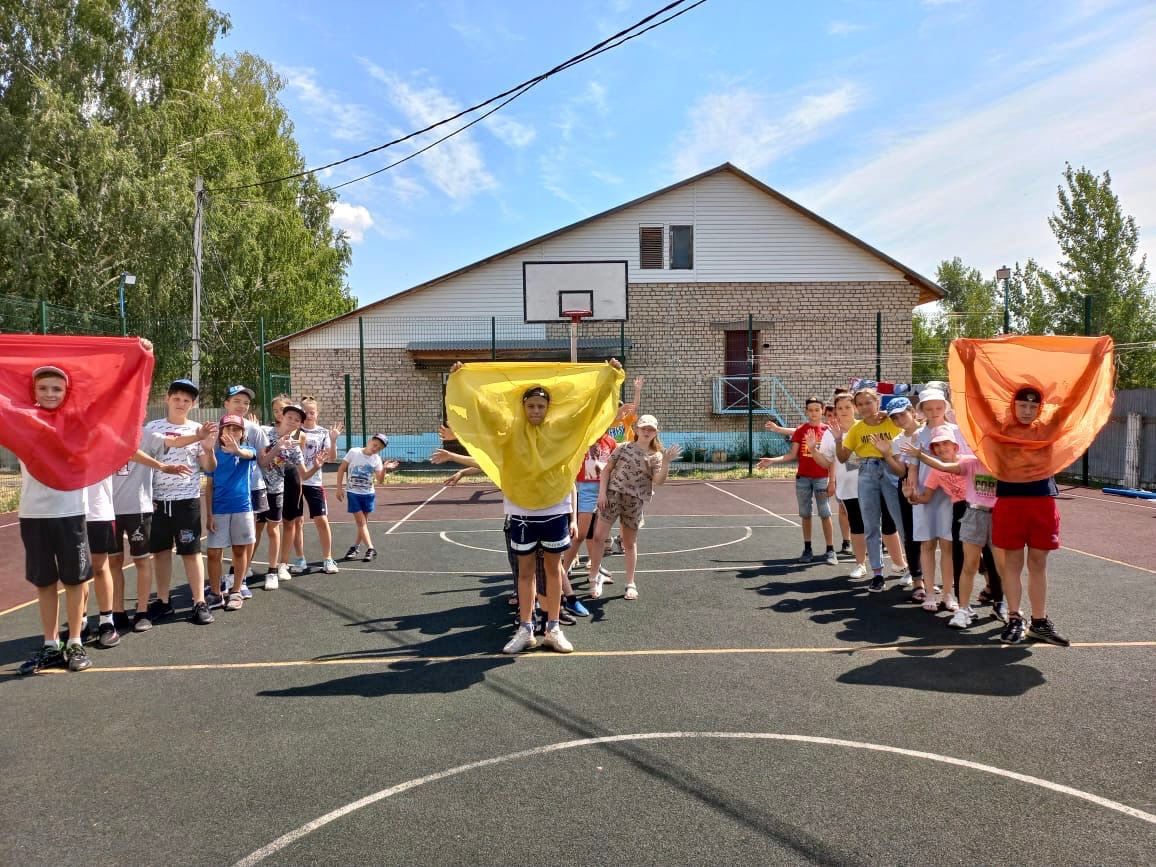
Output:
(53, 530)
(363, 467)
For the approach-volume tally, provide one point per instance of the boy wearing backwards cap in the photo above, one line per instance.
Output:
(285, 444)
(363, 467)
(177, 500)
(1025, 516)
(230, 507)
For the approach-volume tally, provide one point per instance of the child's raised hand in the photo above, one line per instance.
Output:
(287, 442)
(390, 466)
(252, 416)
(672, 453)
(639, 381)
(764, 464)
(147, 344)
(177, 470)
(446, 433)
(207, 429)
(625, 410)
(455, 367)
(337, 429)
(811, 441)
(882, 444)
(615, 363)
(912, 450)
(441, 456)
(229, 443)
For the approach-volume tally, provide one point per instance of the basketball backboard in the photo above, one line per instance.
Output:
(549, 289)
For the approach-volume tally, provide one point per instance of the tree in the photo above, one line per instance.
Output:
(1100, 245)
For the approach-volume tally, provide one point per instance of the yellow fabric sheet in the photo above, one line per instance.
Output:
(1075, 376)
(535, 466)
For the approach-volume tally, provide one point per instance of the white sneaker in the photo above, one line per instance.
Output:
(271, 581)
(962, 618)
(832, 558)
(949, 603)
(329, 567)
(860, 571)
(299, 566)
(283, 573)
(524, 639)
(556, 641)
(906, 582)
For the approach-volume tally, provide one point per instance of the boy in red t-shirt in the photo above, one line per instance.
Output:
(810, 480)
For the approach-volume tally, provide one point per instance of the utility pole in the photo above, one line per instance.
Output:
(198, 218)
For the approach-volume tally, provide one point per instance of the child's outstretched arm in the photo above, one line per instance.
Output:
(669, 455)
(767, 463)
(340, 483)
(954, 467)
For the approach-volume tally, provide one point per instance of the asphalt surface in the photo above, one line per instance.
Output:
(192, 745)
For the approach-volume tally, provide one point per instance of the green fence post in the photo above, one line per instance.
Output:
(265, 414)
(361, 356)
(750, 394)
(1087, 333)
(878, 345)
(493, 338)
(348, 409)
(43, 317)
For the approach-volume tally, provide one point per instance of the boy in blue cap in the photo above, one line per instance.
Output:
(363, 466)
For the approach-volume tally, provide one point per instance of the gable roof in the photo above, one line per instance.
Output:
(928, 289)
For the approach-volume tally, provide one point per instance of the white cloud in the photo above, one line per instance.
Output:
(594, 95)
(752, 129)
(982, 185)
(456, 166)
(509, 131)
(346, 121)
(406, 188)
(844, 28)
(353, 220)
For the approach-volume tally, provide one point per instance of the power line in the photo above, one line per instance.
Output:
(515, 91)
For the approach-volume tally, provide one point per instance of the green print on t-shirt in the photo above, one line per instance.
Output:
(985, 485)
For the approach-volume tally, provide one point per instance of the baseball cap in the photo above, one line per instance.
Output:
(381, 437)
(234, 390)
(932, 394)
(647, 421)
(50, 369)
(235, 420)
(535, 391)
(942, 434)
(898, 405)
(1029, 393)
(186, 385)
(294, 407)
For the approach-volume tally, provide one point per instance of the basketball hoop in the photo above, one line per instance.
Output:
(575, 316)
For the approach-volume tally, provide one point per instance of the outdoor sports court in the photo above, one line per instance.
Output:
(745, 710)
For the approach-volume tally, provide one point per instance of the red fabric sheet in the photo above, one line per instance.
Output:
(1074, 375)
(97, 428)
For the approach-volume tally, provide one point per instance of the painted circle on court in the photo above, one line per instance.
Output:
(748, 532)
(292, 837)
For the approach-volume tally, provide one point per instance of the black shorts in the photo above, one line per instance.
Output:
(102, 537)
(259, 500)
(314, 495)
(55, 549)
(137, 529)
(273, 510)
(528, 533)
(855, 516)
(176, 522)
(292, 501)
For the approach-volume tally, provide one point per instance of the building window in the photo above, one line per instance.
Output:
(650, 247)
(681, 247)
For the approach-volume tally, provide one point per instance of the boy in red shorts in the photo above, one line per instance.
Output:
(1025, 516)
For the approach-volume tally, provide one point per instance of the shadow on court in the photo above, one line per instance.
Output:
(962, 672)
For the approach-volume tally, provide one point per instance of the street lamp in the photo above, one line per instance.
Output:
(126, 279)
(1004, 274)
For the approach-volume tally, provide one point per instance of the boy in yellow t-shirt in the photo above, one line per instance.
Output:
(874, 488)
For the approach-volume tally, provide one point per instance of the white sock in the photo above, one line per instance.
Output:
(74, 641)
(105, 618)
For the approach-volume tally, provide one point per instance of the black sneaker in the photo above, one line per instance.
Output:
(352, 552)
(370, 555)
(807, 556)
(566, 618)
(877, 584)
(120, 621)
(141, 623)
(1013, 633)
(845, 549)
(107, 636)
(1045, 630)
(159, 610)
(77, 657)
(46, 657)
(200, 614)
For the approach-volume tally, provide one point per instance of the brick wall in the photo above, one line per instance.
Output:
(812, 336)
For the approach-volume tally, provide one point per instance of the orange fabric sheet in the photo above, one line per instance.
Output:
(1075, 376)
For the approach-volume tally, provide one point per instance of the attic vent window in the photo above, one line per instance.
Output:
(650, 246)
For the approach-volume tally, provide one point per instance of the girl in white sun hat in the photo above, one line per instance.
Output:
(627, 482)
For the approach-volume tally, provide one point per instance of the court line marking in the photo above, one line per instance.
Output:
(416, 509)
(386, 660)
(6, 526)
(749, 503)
(1138, 503)
(443, 535)
(647, 528)
(332, 816)
(1108, 559)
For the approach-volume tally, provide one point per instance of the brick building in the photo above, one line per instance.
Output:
(717, 264)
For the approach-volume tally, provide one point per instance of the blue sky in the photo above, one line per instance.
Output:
(929, 128)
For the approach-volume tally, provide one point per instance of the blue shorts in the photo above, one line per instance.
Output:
(587, 497)
(360, 502)
(551, 533)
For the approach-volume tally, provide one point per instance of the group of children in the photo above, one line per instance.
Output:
(905, 479)
(237, 476)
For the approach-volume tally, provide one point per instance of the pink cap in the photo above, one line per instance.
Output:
(235, 420)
